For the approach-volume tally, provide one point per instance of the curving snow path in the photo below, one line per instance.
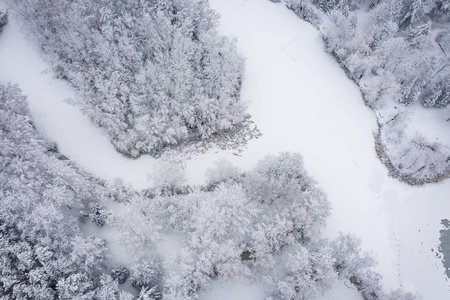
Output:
(301, 101)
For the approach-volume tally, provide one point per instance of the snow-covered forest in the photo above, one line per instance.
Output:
(294, 202)
(153, 74)
(262, 225)
(398, 54)
(43, 253)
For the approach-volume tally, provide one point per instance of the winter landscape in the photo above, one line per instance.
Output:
(225, 149)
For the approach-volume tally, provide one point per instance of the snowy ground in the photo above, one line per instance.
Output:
(302, 101)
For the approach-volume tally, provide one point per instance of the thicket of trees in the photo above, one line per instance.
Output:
(399, 51)
(153, 74)
(43, 253)
(259, 226)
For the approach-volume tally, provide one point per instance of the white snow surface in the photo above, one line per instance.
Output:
(302, 102)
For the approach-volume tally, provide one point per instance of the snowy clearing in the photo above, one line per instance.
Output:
(302, 101)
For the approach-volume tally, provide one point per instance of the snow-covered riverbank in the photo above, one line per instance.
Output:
(303, 102)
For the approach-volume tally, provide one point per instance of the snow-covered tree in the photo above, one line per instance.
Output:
(282, 186)
(145, 273)
(120, 273)
(138, 232)
(168, 178)
(223, 171)
(307, 273)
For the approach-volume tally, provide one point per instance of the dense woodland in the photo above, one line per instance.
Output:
(153, 74)
(398, 54)
(261, 226)
(43, 253)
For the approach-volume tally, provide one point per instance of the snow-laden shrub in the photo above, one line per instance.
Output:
(98, 214)
(120, 273)
(145, 273)
(223, 171)
(413, 160)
